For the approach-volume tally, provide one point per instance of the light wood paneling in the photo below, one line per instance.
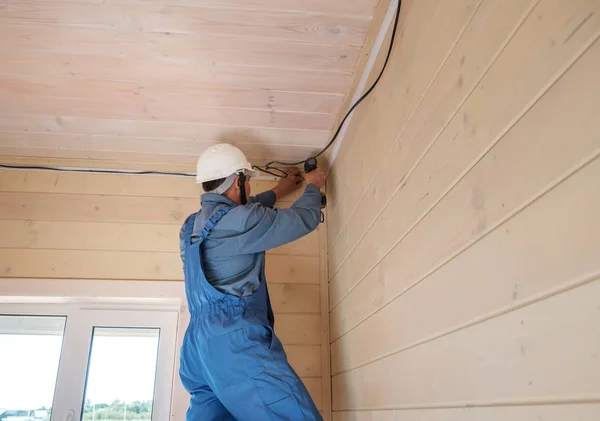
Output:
(178, 19)
(133, 128)
(520, 261)
(429, 24)
(188, 49)
(539, 152)
(462, 144)
(324, 307)
(332, 7)
(368, 59)
(207, 75)
(225, 117)
(294, 298)
(568, 412)
(540, 351)
(110, 147)
(61, 93)
(66, 207)
(496, 22)
(299, 329)
(462, 226)
(258, 72)
(306, 360)
(149, 130)
(433, 25)
(537, 73)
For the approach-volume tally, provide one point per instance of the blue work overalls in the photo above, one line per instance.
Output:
(232, 363)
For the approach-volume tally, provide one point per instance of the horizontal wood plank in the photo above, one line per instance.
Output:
(552, 244)
(292, 269)
(115, 159)
(340, 7)
(180, 19)
(306, 360)
(543, 350)
(528, 161)
(294, 298)
(227, 118)
(82, 264)
(33, 181)
(154, 130)
(90, 236)
(68, 207)
(188, 49)
(60, 93)
(138, 70)
(549, 412)
(298, 329)
(123, 148)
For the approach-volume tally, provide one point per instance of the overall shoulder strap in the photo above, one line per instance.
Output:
(200, 231)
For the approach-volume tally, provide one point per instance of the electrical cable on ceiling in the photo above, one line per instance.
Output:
(268, 168)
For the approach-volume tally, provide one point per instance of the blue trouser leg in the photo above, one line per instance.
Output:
(254, 380)
(276, 394)
(204, 406)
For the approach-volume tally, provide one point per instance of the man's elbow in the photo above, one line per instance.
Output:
(313, 221)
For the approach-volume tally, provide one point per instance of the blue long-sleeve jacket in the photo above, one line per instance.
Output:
(233, 254)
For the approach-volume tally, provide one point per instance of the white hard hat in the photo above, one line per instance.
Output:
(220, 161)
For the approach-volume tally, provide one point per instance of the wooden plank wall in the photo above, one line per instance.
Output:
(464, 220)
(123, 227)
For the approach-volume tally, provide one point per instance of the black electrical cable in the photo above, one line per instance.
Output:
(269, 166)
(282, 173)
(92, 170)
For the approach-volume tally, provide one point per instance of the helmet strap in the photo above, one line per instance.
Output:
(242, 184)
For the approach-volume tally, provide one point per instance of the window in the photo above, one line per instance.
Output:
(30, 348)
(121, 374)
(81, 361)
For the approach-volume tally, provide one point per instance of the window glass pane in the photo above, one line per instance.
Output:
(30, 348)
(121, 373)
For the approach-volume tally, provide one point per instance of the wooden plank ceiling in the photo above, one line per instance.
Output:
(157, 81)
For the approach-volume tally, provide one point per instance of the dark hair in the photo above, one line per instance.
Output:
(211, 185)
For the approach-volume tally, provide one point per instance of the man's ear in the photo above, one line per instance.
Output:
(238, 189)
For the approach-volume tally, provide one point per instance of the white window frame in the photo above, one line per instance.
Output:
(106, 303)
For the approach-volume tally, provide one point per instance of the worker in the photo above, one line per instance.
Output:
(232, 363)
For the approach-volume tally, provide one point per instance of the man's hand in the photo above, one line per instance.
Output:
(316, 177)
(289, 184)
